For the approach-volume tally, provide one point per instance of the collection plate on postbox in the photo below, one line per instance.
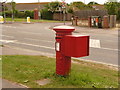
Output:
(57, 46)
(76, 45)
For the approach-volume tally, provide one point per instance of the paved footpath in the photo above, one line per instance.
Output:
(9, 84)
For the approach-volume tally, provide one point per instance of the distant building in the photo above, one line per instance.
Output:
(27, 6)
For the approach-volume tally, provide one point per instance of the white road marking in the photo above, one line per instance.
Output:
(34, 45)
(95, 43)
(8, 36)
(7, 41)
(15, 41)
(10, 26)
(39, 40)
(7, 26)
(110, 49)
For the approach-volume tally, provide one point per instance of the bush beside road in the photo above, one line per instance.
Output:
(27, 70)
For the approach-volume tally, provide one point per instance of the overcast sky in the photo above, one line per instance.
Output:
(68, 1)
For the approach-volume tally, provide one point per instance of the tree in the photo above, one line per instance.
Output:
(93, 3)
(3, 6)
(112, 7)
(79, 6)
(53, 6)
(13, 5)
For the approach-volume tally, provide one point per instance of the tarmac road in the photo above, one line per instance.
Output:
(38, 37)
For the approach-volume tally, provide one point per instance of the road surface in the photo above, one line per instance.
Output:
(39, 37)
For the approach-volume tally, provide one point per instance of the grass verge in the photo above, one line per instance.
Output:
(1, 45)
(32, 20)
(27, 69)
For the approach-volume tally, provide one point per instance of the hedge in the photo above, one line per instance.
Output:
(45, 14)
(29, 13)
(18, 14)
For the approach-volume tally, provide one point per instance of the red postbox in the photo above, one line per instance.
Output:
(67, 46)
(36, 14)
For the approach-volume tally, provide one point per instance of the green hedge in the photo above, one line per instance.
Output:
(29, 13)
(8, 13)
(18, 14)
(118, 15)
(45, 14)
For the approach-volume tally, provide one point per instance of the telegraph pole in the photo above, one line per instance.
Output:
(12, 11)
(64, 10)
(4, 11)
(39, 14)
(64, 16)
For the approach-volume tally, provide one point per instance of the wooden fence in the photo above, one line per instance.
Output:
(86, 13)
(59, 16)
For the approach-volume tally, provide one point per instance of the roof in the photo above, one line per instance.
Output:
(98, 7)
(28, 6)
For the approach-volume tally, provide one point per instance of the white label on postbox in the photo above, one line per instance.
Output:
(57, 46)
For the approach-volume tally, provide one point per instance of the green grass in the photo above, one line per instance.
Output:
(32, 20)
(27, 69)
(1, 45)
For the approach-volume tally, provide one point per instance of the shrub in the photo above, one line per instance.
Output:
(29, 13)
(8, 13)
(45, 14)
(118, 15)
(20, 15)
